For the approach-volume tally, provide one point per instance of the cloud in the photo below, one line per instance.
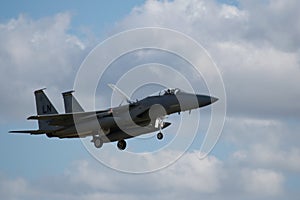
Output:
(86, 179)
(262, 182)
(189, 177)
(34, 54)
(276, 22)
(260, 81)
(273, 22)
(256, 47)
(252, 45)
(260, 77)
(268, 144)
(201, 19)
(271, 157)
(15, 188)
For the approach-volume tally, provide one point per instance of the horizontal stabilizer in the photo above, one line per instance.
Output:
(68, 118)
(33, 132)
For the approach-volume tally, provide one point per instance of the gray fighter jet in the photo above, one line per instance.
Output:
(114, 124)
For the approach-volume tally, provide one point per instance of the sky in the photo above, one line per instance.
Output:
(255, 45)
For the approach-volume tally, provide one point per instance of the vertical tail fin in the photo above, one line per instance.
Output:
(71, 104)
(44, 107)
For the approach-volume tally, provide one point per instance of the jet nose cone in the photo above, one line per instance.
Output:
(204, 100)
(213, 99)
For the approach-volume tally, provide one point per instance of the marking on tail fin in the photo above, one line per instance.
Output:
(44, 107)
(48, 110)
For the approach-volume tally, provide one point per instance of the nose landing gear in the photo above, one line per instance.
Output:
(159, 123)
(160, 136)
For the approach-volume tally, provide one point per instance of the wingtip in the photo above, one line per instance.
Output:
(31, 117)
(33, 132)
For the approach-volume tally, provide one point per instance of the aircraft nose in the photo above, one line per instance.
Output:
(213, 99)
(204, 100)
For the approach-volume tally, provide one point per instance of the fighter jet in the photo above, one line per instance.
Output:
(114, 124)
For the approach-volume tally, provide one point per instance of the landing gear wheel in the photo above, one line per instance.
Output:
(159, 136)
(97, 142)
(121, 144)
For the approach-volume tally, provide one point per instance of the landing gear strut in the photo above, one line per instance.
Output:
(121, 144)
(159, 123)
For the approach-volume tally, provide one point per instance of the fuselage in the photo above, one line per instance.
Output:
(135, 118)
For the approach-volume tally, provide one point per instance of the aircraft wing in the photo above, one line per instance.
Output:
(68, 118)
(33, 132)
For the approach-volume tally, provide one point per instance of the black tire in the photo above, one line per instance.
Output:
(122, 144)
(159, 136)
(98, 142)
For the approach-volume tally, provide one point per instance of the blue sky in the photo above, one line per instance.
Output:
(96, 15)
(255, 45)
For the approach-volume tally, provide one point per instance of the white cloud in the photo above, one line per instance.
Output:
(14, 188)
(195, 175)
(230, 12)
(249, 43)
(262, 182)
(87, 179)
(256, 46)
(34, 54)
(260, 81)
(271, 157)
(206, 21)
(276, 22)
(264, 143)
(260, 77)
(188, 177)
(244, 131)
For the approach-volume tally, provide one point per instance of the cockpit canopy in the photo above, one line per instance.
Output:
(170, 91)
(167, 91)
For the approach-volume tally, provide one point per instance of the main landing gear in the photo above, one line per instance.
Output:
(97, 142)
(121, 144)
